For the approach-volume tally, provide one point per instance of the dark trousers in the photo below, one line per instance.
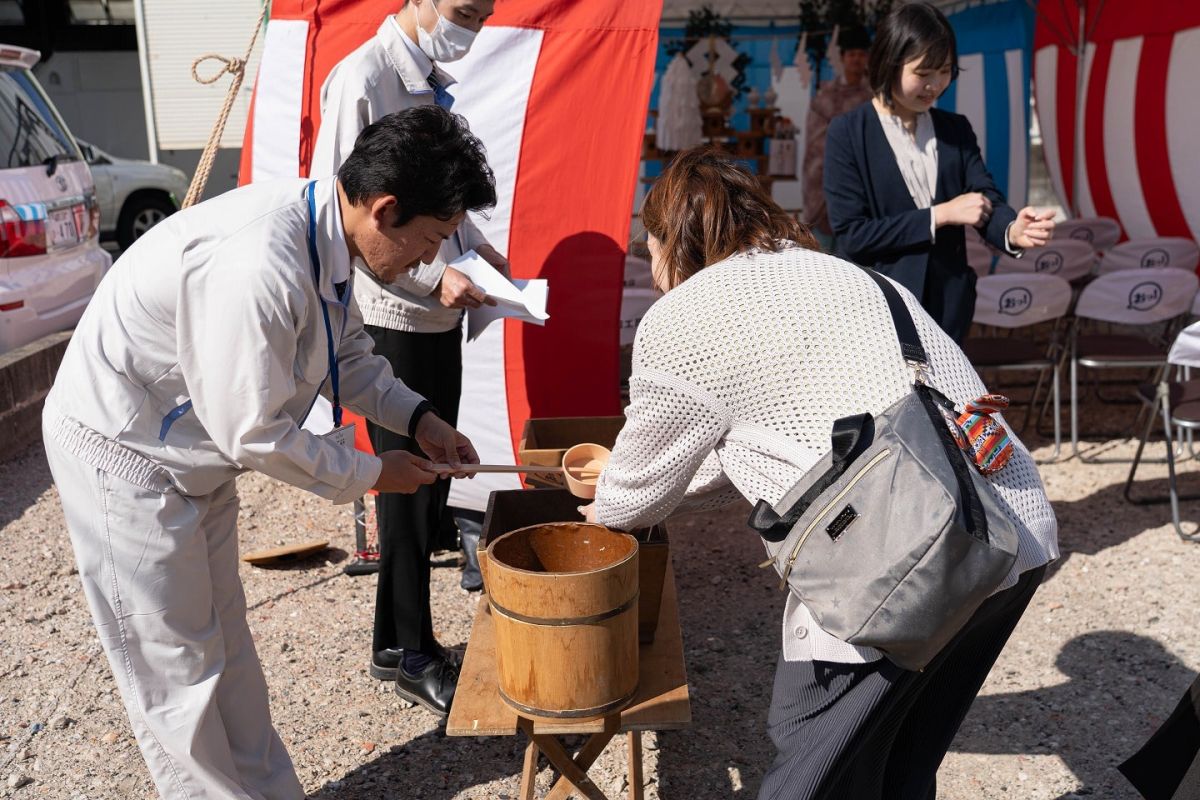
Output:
(875, 731)
(430, 364)
(949, 297)
(1168, 765)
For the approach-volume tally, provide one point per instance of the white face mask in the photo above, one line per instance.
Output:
(448, 42)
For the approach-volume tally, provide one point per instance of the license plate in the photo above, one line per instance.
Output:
(62, 229)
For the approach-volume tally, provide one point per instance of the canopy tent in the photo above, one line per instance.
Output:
(565, 173)
(1118, 124)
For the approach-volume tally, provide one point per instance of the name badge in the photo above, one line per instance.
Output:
(342, 436)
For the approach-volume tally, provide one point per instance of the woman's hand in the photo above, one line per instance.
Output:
(588, 512)
(1032, 228)
(973, 209)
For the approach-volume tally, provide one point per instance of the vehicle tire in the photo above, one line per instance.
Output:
(140, 213)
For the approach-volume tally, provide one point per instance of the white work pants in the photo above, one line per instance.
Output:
(160, 572)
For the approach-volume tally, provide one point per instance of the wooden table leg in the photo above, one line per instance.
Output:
(635, 765)
(529, 770)
(573, 773)
(587, 756)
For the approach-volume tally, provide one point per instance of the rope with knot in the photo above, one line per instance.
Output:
(236, 67)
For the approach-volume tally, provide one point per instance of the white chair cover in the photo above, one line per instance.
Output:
(637, 273)
(1138, 296)
(1185, 350)
(1019, 299)
(1100, 232)
(1066, 258)
(1159, 251)
(634, 305)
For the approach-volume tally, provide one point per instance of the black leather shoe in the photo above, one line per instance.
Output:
(384, 663)
(433, 688)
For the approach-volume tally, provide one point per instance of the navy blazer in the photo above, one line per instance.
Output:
(878, 225)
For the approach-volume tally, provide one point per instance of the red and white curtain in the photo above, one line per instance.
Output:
(558, 91)
(1121, 142)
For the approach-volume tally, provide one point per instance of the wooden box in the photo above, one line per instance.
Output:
(519, 508)
(544, 441)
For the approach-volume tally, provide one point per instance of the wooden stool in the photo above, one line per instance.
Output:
(661, 703)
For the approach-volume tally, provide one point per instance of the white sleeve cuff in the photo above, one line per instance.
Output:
(1015, 252)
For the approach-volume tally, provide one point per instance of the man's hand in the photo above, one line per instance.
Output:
(456, 290)
(1032, 228)
(444, 445)
(403, 472)
(972, 208)
(490, 255)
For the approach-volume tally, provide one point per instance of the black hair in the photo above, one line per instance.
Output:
(427, 158)
(855, 38)
(910, 31)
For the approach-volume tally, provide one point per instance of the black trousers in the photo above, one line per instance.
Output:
(875, 731)
(1167, 767)
(431, 364)
(949, 297)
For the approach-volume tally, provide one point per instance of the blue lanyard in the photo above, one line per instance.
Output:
(316, 265)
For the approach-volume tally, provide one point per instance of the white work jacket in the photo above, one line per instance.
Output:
(388, 73)
(205, 346)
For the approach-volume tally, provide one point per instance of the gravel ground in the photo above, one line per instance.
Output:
(1104, 652)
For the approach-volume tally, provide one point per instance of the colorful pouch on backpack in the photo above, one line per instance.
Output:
(985, 441)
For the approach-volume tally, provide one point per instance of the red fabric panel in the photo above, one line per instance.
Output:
(572, 203)
(1093, 134)
(1108, 20)
(1150, 135)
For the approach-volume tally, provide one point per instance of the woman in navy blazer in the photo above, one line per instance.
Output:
(874, 215)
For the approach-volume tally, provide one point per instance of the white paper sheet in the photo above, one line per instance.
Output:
(520, 299)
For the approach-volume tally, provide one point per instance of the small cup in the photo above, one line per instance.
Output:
(588, 458)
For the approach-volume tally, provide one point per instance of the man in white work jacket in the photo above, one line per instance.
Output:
(415, 323)
(198, 359)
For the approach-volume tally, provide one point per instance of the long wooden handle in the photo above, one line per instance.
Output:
(527, 468)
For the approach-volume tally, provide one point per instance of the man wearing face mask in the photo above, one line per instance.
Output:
(415, 323)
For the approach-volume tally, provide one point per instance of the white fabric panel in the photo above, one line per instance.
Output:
(492, 92)
(1185, 351)
(793, 96)
(1100, 232)
(1046, 95)
(1083, 186)
(276, 134)
(1160, 251)
(1138, 297)
(1018, 129)
(1066, 259)
(970, 100)
(634, 305)
(679, 125)
(1183, 121)
(1120, 154)
(1014, 301)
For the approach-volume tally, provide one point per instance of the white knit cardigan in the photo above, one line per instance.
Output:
(738, 375)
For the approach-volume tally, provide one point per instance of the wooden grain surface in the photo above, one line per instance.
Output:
(661, 702)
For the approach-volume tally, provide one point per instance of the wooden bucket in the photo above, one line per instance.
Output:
(564, 599)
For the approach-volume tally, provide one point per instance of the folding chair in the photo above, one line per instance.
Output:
(1068, 259)
(1100, 232)
(1159, 251)
(1014, 301)
(1153, 300)
(1178, 404)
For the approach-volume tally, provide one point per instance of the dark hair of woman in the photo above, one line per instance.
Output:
(910, 31)
(425, 157)
(704, 208)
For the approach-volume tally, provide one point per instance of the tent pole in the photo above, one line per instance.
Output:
(1080, 58)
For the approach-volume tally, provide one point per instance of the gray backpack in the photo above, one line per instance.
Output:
(893, 539)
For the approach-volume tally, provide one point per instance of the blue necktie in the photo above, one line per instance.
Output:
(440, 95)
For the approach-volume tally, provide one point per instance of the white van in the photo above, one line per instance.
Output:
(50, 255)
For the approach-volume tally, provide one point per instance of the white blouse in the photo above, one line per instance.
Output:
(917, 158)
